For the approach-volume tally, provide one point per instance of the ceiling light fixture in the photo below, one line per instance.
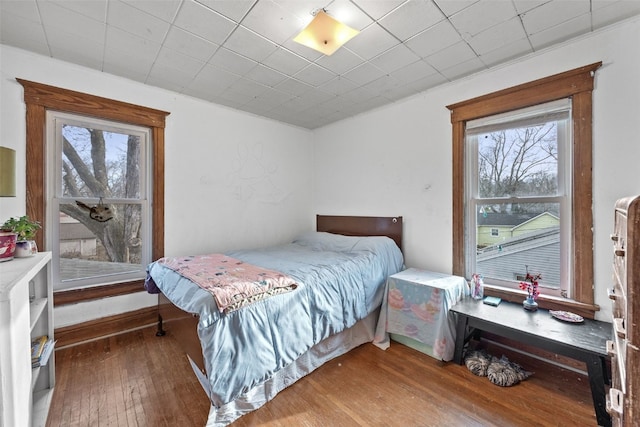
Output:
(325, 34)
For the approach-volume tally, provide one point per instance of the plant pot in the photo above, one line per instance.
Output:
(530, 304)
(26, 248)
(7, 245)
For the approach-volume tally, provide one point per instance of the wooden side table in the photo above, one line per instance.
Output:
(585, 341)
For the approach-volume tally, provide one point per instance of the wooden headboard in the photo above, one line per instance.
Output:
(390, 226)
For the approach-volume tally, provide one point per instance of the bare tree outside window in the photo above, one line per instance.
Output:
(104, 165)
(517, 196)
(100, 197)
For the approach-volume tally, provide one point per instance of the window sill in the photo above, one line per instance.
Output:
(74, 296)
(544, 301)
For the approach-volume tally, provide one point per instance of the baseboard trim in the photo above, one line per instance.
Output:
(104, 327)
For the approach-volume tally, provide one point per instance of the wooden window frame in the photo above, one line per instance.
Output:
(39, 98)
(576, 84)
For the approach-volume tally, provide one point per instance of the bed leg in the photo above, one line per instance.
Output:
(160, 332)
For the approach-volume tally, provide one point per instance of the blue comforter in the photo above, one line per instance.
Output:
(341, 281)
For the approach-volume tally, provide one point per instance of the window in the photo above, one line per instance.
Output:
(99, 205)
(516, 168)
(39, 99)
(569, 204)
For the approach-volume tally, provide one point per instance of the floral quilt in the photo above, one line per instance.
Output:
(232, 282)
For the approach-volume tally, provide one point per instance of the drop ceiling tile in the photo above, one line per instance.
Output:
(482, 15)
(371, 41)
(395, 58)
(314, 75)
(606, 12)
(523, 6)
(159, 78)
(273, 22)
(415, 71)
(347, 13)
(382, 85)
(247, 87)
(241, 96)
(499, 35)
(358, 95)
(507, 52)
(300, 8)
(377, 9)
(95, 9)
(270, 99)
(340, 62)
(174, 60)
(232, 9)
(77, 50)
(232, 103)
(204, 22)
(232, 62)
(134, 21)
(189, 44)
(451, 7)
(364, 74)
(294, 87)
(122, 41)
(426, 83)
(371, 104)
(338, 86)
(296, 105)
(22, 33)
(68, 21)
(411, 18)
(164, 9)
(249, 44)
(125, 64)
(315, 97)
(463, 69)
(26, 10)
(265, 75)
(552, 14)
(285, 61)
(563, 31)
(436, 38)
(453, 55)
(211, 81)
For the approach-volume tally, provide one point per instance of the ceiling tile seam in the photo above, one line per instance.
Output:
(44, 30)
(164, 39)
(104, 37)
(207, 62)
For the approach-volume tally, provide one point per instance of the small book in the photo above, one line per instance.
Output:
(494, 301)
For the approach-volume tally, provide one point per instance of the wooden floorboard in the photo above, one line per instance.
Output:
(138, 379)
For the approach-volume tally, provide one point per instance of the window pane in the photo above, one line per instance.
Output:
(518, 161)
(94, 249)
(99, 163)
(528, 238)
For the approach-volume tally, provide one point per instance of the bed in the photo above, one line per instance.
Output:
(247, 350)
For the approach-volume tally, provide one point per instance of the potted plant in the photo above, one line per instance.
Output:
(25, 230)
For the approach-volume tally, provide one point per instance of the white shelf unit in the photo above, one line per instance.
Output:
(26, 312)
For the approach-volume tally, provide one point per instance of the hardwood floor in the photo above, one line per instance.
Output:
(138, 379)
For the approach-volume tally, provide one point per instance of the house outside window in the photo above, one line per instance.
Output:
(495, 232)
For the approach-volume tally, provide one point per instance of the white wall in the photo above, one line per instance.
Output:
(231, 179)
(392, 161)
(397, 160)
